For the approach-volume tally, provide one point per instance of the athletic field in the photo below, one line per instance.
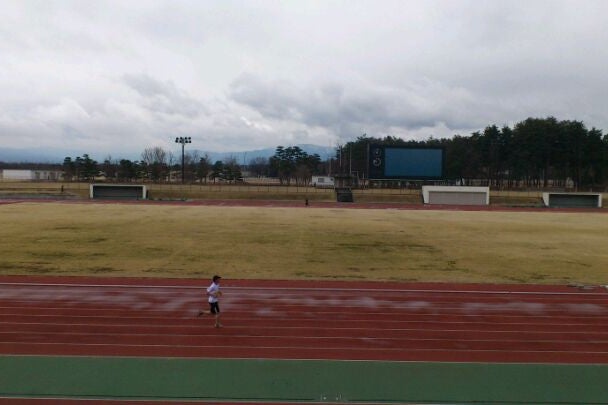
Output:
(135, 340)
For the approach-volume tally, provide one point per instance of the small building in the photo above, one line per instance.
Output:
(322, 181)
(37, 175)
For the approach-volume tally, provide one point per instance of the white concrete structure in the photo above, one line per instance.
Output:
(118, 191)
(456, 195)
(322, 181)
(19, 174)
(581, 200)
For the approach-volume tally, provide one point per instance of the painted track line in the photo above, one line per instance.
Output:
(602, 293)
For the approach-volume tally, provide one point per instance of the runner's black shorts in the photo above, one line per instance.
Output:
(214, 307)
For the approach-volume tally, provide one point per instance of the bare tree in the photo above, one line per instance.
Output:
(110, 168)
(154, 155)
(155, 160)
(259, 166)
(203, 168)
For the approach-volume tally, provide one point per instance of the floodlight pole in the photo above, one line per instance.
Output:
(183, 140)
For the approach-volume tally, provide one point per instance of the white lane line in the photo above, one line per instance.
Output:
(371, 289)
(292, 347)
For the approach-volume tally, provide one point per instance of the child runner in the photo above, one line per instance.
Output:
(214, 293)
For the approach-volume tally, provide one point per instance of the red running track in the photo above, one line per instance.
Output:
(304, 320)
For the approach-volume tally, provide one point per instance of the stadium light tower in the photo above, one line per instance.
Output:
(183, 140)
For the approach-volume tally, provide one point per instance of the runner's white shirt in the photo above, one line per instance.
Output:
(213, 288)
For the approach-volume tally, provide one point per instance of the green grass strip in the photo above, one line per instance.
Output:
(306, 381)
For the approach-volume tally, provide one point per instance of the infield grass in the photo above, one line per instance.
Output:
(303, 243)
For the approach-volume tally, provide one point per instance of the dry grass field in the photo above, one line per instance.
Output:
(172, 191)
(154, 240)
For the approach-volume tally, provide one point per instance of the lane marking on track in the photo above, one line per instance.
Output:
(316, 321)
(176, 400)
(157, 309)
(316, 349)
(256, 337)
(511, 319)
(306, 328)
(333, 290)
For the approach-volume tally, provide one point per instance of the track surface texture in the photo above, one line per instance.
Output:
(304, 320)
(77, 340)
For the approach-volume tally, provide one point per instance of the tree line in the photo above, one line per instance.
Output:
(156, 165)
(535, 153)
(289, 164)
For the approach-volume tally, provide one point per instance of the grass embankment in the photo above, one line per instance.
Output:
(303, 243)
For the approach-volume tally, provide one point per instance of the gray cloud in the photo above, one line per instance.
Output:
(345, 106)
(163, 97)
(114, 76)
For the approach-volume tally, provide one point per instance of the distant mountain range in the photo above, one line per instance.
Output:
(46, 155)
(245, 157)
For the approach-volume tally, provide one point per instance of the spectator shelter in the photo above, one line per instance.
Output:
(118, 191)
(456, 195)
(343, 184)
(579, 200)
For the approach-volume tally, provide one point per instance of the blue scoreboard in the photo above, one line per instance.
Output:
(405, 162)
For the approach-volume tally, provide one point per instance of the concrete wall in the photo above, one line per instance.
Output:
(17, 174)
(118, 192)
(456, 195)
(580, 200)
(12, 174)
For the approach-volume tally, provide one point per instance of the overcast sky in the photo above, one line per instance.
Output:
(116, 77)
